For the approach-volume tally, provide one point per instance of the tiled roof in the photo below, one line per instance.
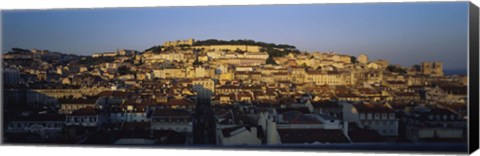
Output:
(297, 117)
(325, 103)
(88, 111)
(78, 101)
(396, 82)
(372, 108)
(456, 90)
(182, 102)
(113, 93)
(171, 113)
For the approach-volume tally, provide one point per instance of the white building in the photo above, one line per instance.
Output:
(380, 118)
(86, 117)
(362, 58)
(170, 119)
(205, 88)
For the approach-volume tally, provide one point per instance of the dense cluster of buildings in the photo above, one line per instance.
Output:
(227, 95)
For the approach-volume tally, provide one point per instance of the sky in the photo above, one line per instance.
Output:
(403, 33)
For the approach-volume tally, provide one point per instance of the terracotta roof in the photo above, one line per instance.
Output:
(113, 93)
(252, 87)
(368, 91)
(315, 72)
(396, 82)
(247, 73)
(171, 113)
(456, 90)
(78, 101)
(88, 111)
(228, 87)
(297, 117)
(280, 73)
(182, 102)
(406, 94)
(244, 94)
(346, 95)
(372, 108)
(326, 103)
(139, 101)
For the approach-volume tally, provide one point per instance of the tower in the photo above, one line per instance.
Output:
(362, 58)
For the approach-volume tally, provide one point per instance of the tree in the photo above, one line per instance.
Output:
(417, 67)
(304, 65)
(123, 70)
(271, 61)
(396, 69)
(353, 59)
(89, 61)
(155, 49)
(197, 63)
(184, 47)
(238, 50)
(270, 48)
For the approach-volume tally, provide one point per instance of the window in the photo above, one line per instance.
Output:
(392, 116)
(369, 116)
(362, 116)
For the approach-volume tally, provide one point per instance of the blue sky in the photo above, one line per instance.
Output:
(404, 33)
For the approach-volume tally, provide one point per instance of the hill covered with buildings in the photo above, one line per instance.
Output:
(238, 92)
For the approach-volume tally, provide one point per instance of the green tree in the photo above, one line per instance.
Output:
(271, 61)
(304, 65)
(396, 69)
(353, 59)
(123, 70)
(417, 67)
(155, 49)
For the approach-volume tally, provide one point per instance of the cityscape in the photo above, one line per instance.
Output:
(228, 93)
(340, 76)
